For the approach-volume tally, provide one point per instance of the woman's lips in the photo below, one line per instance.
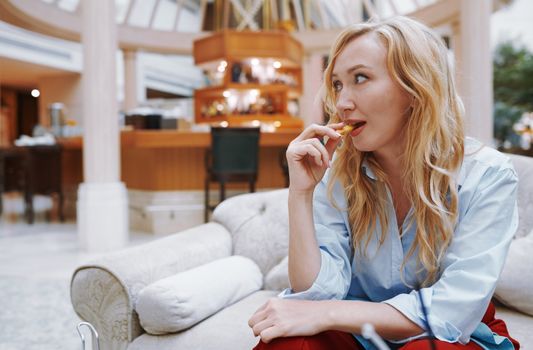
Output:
(357, 128)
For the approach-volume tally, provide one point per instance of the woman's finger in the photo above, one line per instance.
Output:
(262, 307)
(316, 130)
(330, 147)
(310, 150)
(257, 317)
(323, 150)
(261, 326)
(336, 126)
(270, 333)
(315, 142)
(315, 154)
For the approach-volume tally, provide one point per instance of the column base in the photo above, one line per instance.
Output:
(102, 216)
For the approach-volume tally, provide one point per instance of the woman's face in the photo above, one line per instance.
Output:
(367, 95)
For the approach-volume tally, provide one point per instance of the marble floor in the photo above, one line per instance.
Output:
(36, 263)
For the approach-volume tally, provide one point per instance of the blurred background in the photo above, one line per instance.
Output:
(107, 108)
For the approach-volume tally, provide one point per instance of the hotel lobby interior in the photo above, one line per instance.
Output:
(114, 116)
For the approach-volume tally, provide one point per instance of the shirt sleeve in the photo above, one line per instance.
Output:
(473, 262)
(333, 237)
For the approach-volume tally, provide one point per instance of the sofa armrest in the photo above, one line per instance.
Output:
(105, 291)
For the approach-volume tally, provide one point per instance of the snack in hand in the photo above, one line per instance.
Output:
(346, 130)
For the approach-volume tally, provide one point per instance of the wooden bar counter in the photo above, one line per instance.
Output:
(173, 160)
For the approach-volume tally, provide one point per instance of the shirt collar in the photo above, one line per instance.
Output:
(368, 170)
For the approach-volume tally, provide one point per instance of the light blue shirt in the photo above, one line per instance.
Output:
(456, 303)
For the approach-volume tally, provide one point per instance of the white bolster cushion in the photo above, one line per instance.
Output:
(515, 286)
(182, 300)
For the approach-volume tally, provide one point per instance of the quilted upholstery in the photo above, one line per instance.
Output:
(258, 224)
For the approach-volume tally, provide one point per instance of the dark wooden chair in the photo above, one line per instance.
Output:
(233, 157)
(282, 158)
(31, 170)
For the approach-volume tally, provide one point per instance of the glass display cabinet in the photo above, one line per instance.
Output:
(251, 77)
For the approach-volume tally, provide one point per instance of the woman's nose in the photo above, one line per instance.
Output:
(344, 101)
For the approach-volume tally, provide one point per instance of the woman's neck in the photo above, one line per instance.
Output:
(391, 163)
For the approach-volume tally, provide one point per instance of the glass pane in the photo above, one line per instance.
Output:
(141, 13)
(404, 7)
(121, 9)
(189, 20)
(334, 12)
(165, 15)
(68, 5)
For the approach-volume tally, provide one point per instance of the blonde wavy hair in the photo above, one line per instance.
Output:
(417, 60)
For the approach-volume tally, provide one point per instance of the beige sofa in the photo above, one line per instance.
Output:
(212, 308)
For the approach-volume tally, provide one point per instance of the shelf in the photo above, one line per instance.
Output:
(292, 92)
(238, 86)
(286, 121)
(230, 57)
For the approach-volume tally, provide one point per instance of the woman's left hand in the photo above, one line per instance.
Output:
(287, 318)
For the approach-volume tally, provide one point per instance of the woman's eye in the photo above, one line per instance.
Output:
(337, 86)
(360, 78)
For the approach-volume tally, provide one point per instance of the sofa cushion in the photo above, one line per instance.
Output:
(524, 169)
(278, 277)
(518, 324)
(180, 301)
(515, 286)
(258, 224)
(225, 330)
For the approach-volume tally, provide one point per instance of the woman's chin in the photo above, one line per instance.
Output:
(362, 146)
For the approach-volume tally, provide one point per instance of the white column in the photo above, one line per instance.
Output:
(131, 99)
(102, 198)
(474, 67)
(310, 102)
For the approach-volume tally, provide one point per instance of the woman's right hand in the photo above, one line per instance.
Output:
(308, 158)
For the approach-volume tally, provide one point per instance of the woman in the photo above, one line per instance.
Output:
(402, 223)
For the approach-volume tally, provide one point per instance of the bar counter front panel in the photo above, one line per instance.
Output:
(164, 160)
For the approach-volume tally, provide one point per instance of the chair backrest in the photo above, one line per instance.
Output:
(36, 169)
(234, 150)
